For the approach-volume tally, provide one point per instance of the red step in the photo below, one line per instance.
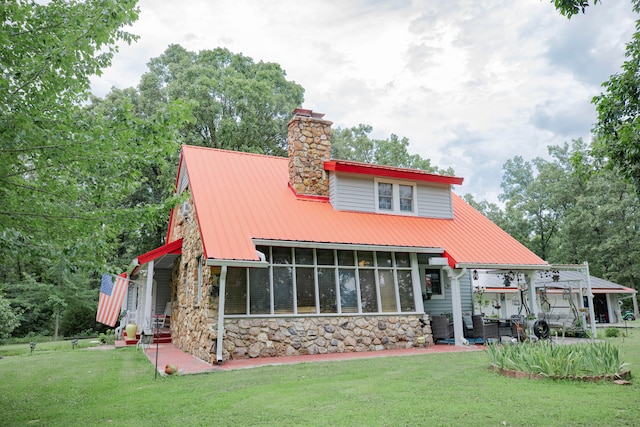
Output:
(163, 337)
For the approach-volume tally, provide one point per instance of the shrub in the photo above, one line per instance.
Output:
(612, 332)
(553, 360)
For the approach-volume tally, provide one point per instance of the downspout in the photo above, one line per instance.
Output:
(456, 303)
(592, 315)
(220, 336)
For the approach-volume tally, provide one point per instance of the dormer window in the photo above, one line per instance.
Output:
(395, 197)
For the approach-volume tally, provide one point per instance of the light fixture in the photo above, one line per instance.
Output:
(475, 274)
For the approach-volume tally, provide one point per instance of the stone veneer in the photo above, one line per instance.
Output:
(309, 139)
(193, 324)
(268, 337)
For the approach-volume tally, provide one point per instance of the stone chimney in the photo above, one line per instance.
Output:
(309, 139)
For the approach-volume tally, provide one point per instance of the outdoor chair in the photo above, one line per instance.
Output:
(467, 326)
(484, 331)
(160, 320)
(441, 328)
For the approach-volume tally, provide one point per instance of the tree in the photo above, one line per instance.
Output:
(8, 318)
(66, 168)
(237, 104)
(354, 144)
(618, 125)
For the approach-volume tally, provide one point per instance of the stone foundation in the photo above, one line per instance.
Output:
(249, 338)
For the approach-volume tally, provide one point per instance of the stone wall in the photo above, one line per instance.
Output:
(269, 337)
(309, 139)
(193, 323)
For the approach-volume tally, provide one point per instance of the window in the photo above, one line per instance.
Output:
(199, 293)
(395, 197)
(318, 281)
(433, 283)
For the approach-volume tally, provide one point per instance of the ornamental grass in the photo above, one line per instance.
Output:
(545, 358)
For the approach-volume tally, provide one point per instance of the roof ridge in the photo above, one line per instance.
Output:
(225, 150)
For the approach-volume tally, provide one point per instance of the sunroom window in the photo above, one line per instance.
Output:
(307, 281)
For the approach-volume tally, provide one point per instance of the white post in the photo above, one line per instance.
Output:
(220, 331)
(146, 319)
(592, 315)
(456, 304)
(530, 279)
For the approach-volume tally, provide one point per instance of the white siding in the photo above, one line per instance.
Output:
(357, 193)
(434, 201)
(352, 193)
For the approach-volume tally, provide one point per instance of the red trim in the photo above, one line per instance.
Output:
(307, 197)
(452, 262)
(389, 172)
(173, 248)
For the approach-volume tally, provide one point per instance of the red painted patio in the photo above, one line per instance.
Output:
(169, 354)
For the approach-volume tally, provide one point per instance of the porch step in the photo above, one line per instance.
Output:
(162, 337)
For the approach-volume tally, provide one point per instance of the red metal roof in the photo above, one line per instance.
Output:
(389, 172)
(173, 248)
(241, 196)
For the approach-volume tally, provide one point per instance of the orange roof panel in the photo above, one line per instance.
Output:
(241, 196)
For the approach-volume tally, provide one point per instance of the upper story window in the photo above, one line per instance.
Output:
(395, 197)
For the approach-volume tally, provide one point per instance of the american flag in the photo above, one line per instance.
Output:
(111, 296)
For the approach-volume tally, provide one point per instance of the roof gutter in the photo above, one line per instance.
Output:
(350, 246)
(503, 266)
(215, 262)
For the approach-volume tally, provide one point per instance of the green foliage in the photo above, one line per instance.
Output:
(108, 337)
(78, 317)
(572, 7)
(9, 320)
(612, 332)
(354, 144)
(618, 107)
(237, 104)
(559, 360)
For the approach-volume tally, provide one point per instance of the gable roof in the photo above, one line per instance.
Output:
(240, 196)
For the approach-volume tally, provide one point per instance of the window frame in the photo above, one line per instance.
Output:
(355, 269)
(423, 275)
(395, 198)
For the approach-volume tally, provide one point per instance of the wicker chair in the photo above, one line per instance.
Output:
(484, 331)
(441, 328)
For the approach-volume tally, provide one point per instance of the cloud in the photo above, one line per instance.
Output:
(469, 83)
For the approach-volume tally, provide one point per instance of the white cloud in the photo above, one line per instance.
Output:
(470, 83)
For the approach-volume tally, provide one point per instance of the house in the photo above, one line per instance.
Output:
(273, 256)
(561, 292)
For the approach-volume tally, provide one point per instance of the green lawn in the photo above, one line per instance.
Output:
(57, 386)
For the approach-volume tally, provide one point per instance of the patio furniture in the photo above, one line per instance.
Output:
(486, 332)
(441, 328)
(467, 326)
(160, 320)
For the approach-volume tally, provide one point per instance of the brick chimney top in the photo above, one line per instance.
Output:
(301, 112)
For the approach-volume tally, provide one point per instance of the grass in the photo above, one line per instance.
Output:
(57, 386)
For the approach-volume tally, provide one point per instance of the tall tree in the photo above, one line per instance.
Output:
(238, 104)
(618, 107)
(355, 144)
(65, 168)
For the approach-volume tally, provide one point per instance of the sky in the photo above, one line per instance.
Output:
(470, 83)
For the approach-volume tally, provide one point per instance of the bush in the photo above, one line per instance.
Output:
(109, 337)
(558, 361)
(79, 317)
(612, 332)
